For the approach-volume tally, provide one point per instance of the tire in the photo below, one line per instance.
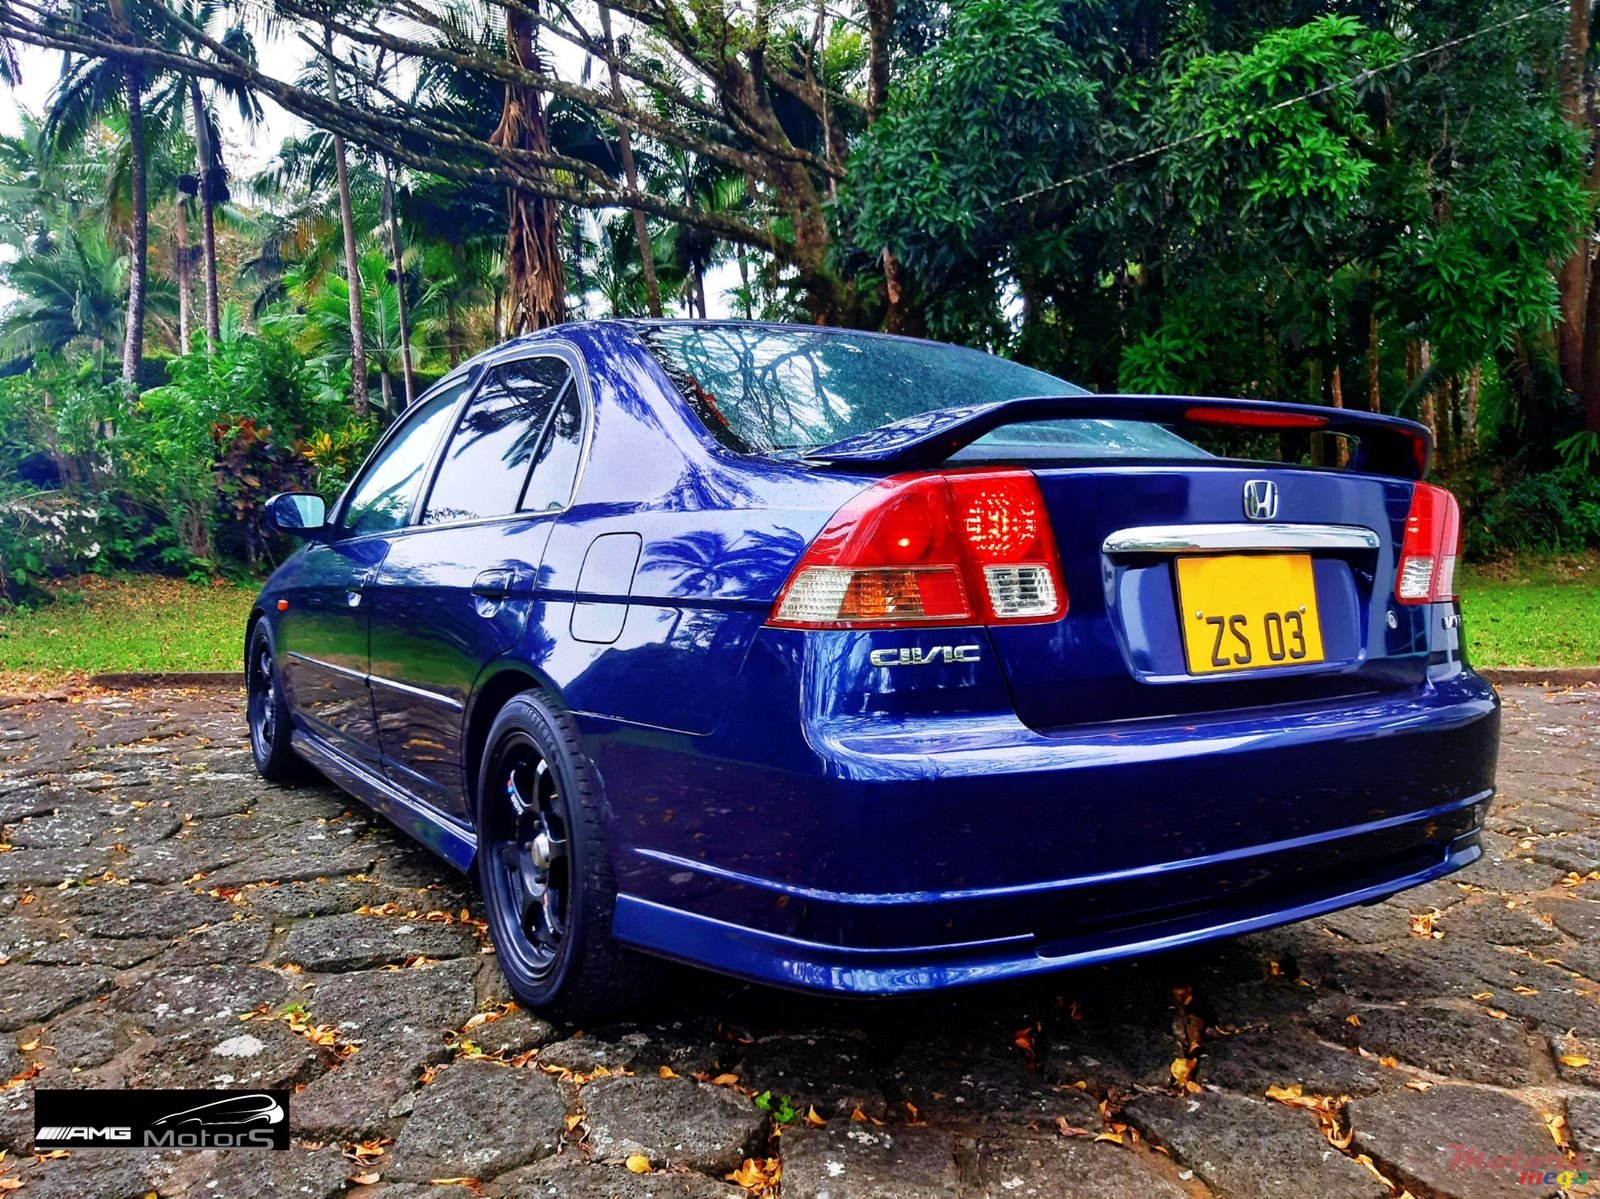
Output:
(267, 713)
(544, 872)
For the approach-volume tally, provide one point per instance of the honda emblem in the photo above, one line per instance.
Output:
(1261, 499)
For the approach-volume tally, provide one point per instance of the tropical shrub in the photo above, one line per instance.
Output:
(44, 535)
(1550, 510)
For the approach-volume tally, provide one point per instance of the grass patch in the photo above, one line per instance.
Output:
(131, 623)
(1532, 611)
(1525, 612)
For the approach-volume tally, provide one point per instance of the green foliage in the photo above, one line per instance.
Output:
(226, 431)
(1551, 510)
(780, 1107)
(43, 536)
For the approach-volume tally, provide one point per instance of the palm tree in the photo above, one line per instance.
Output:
(212, 172)
(352, 263)
(42, 191)
(89, 90)
(326, 335)
(641, 227)
(73, 291)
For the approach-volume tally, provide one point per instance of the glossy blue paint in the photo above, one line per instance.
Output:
(781, 809)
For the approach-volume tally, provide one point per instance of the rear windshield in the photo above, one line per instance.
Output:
(783, 390)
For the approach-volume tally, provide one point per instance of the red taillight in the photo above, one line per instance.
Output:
(1251, 418)
(1427, 573)
(956, 548)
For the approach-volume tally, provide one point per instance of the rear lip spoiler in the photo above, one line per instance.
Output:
(1387, 445)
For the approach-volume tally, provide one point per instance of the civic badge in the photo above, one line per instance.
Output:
(1260, 499)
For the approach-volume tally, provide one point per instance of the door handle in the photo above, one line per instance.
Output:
(495, 585)
(352, 595)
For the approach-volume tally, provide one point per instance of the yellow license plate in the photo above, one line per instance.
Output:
(1248, 612)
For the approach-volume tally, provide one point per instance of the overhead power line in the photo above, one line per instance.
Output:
(1354, 81)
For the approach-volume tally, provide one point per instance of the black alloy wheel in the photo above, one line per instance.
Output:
(543, 869)
(267, 713)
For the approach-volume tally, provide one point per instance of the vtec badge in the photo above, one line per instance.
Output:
(913, 655)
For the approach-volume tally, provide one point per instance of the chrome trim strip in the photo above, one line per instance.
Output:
(1219, 538)
(344, 670)
(377, 680)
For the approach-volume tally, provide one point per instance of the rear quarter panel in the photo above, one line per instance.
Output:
(718, 534)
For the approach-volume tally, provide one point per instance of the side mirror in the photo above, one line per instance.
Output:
(297, 514)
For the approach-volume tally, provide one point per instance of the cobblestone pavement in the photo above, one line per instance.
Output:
(153, 892)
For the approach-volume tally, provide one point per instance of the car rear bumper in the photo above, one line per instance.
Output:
(927, 854)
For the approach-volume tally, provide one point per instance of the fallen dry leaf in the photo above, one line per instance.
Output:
(1325, 1107)
(756, 1175)
(370, 1178)
(1557, 1124)
(638, 1163)
(1573, 1059)
(668, 1072)
(1182, 1073)
(812, 1119)
(1353, 1020)
(1070, 1130)
(1422, 926)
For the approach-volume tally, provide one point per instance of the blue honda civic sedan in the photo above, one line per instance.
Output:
(868, 665)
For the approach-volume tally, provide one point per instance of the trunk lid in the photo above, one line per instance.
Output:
(1122, 531)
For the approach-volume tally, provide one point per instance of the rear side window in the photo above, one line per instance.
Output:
(555, 468)
(485, 465)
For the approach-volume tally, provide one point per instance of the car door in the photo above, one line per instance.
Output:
(323, 632)
(457, 589)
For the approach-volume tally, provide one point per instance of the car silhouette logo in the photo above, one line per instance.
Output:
(232, 1112)
(1260, 499)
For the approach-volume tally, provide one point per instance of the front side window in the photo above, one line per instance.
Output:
(505, 429)
(381, 499)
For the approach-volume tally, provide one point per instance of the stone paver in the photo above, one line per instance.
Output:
(153, 891)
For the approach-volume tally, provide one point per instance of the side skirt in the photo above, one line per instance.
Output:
(454, 842)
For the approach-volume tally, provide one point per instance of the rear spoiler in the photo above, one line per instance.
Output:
(1385, 445)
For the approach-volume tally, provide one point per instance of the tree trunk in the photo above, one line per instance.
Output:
(180, 221)
(1374, 400)
(700, 291)
(1469, 414)
(641, 227)
(880, 34)
(352, 262)
(535, 282)
(1429, 410)
(452, 329)
(133, 340)
(399, 283)
(210, 168)
(1574, 278)
(387, 393)
(1591, 351)
(1342, 450)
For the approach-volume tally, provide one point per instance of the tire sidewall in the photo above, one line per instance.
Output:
(532, 717)
(278, 752)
